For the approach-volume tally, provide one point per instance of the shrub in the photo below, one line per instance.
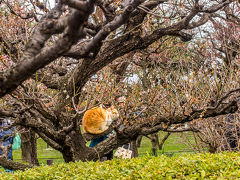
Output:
(198, 166)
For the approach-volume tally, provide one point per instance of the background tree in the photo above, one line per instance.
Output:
(222, 46)
(14, 33)
(69, 46)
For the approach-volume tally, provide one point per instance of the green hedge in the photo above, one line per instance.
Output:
(199, 166)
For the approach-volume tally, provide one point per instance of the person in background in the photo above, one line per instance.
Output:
(96, 141)
(232, 133)
(6, 139)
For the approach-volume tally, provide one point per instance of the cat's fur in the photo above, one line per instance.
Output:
(97, 120)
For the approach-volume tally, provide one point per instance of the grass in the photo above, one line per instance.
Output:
(172, 145)
(43, 153)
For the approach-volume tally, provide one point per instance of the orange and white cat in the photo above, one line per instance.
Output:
(97, 120)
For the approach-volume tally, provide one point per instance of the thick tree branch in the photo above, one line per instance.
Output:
(40, 127)
(50, 80)
(44, 111)
(50, 141)
(113, 25)
(13, 165)
(6, 113)
(51, 76)
(80, 5)
(35, 57)
(77, 51)
(107, 146)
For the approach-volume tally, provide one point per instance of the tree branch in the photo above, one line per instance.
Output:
(13, 165)
(50, 141)
(215, 8)
(35, 57)
(111, 26)
(6, 113)
(27, 16)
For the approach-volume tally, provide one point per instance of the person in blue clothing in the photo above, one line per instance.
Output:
(96, 141)
(6, 139)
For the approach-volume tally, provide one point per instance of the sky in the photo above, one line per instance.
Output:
(50, 3)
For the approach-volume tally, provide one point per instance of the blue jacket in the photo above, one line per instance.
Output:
(94, 142)
(7, 141)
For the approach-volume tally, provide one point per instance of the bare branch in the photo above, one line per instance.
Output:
(200, 22)
(113, 25)
(107, 9)
(27, 16)
(215, 8)
(219, 101)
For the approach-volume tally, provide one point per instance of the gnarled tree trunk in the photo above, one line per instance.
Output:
(29, 147)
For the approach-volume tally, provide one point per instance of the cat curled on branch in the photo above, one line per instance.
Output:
(98, 120)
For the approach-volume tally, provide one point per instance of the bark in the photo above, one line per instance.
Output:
(29, 147)
(13, 165)
(59, 128)
(74, 148)
(26, 147)
(33, 140)
(163, 141)
(134, 148)
(155, 143)
(139, 140)
(36, 56)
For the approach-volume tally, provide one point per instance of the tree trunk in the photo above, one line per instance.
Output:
(139, 140)
(155, 143)
(134, 148)
(74, 148)
(33, 140)
(29, 147)
(26, 146)
(163, 140)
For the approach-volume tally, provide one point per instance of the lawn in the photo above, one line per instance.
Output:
(43, 152)
(173, 144)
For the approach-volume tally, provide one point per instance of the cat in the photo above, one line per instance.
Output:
(97, 120)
